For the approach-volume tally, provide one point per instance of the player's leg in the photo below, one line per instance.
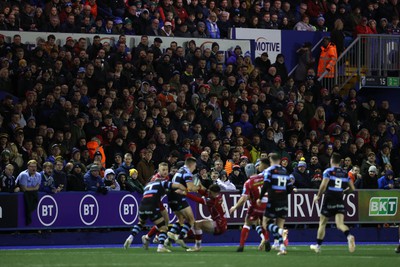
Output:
(199, 227)
(188, 215)
(162, 235)
(135, 230)
(280, 222)
(264, 243)
(244, 234)
(339, 219)
(154, 230)
(176, 227)
(320, 234)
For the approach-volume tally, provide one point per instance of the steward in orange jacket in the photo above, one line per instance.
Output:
(327, 59)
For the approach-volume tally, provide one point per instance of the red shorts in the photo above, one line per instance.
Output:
(161, 206)
(254, 214)
(220, 227)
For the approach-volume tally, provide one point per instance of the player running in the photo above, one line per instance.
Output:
(278, 185)
(335, 182)
(180, 206)
(217, 225)
(161, 175)
(149, 209)
(251, 191)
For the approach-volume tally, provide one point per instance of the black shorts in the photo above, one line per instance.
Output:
(177, 205)
(177, 202)
(149, 212)
(332, 205)
(276, 209)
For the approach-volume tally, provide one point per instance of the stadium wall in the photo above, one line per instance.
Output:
(71, 210)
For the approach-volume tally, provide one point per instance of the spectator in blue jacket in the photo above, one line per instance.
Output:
(47, 184)
(93, 180)
(386, 181)
(212, 27)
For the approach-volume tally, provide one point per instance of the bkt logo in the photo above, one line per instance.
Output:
(383, 206)
(89, 209)
(47, 210)
(128, 209)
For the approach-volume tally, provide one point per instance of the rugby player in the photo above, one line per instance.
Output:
(335, 181)
(278, 185)
(149, 209)
(217, 225)
(251, 191)
(161, 175)
(180, 206)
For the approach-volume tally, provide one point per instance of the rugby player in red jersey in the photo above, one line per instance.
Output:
(217, 225)
(251, 191)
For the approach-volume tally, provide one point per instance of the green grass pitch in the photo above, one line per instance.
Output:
(338, 256)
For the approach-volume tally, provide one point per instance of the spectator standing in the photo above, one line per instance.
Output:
(7, 180)
(29, 181)
(145, 167)
(327, 59)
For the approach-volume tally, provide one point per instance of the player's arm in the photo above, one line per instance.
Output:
(191, 187)
(240, 203)
(178, 186)
(196, 198)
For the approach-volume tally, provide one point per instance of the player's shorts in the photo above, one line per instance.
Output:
(254, 214)
(149, 212)
(220, 227)
(276, 209)
(177, 205)
(332, 205)
(161, 206)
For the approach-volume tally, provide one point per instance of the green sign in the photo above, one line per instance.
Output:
(383, 206)
(378, 206)
(392, 81)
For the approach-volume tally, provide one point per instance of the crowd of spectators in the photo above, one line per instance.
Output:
(100, 116)
(198, 18)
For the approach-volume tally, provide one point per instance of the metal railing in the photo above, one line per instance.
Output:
(317, 45)
(367, 55)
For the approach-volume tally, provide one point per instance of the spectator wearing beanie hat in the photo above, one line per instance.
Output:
(301, 176)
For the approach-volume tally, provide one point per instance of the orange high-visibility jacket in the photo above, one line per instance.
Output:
(93, 146)
(327, 61)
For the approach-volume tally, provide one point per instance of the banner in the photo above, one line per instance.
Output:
(264, 41)
(379, 206)
(120, 209)
(302, 208)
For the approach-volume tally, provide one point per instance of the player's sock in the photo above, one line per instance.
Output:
(273, 228)
(152, 231)
(175, 228)
(259, 230)
(136, 229)
(319, 241)
(185, 229)
(162, 236)
(244, 234)
(198, 236)
(280, 240)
